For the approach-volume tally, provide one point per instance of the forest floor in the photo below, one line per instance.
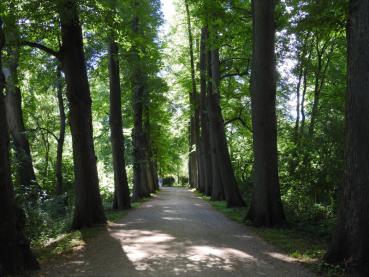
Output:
(175, 234)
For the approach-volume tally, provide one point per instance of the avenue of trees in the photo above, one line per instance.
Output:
(265, 105)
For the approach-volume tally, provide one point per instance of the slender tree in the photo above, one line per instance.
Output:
(62, 121)
(266, 206)
(121, 192)
(351, 241)
(194, 122)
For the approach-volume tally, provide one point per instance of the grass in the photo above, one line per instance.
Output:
(304, 246)
(66, 243)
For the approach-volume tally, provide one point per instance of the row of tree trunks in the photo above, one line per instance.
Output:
(216, 174)
(121, 191)
(88, 205)
(15, 253)
(266, 207)
(25, 173)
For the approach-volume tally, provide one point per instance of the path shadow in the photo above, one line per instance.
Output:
(101, 256)
(180, 237)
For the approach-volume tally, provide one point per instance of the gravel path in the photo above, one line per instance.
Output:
(176, 234)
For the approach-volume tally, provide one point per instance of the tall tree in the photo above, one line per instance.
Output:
(266, 206)
(88, 205)
(60, 139)
(194, 121)
(13, 102)
(229, 184)
(351, 241)
(15, 253)
(121, 192)
(140, 185)
(205, 168)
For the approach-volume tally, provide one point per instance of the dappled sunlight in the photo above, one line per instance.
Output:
(171, 211)
(224, 258)
(281, 257)
(179, 236)
(174, 218)
(150, 250)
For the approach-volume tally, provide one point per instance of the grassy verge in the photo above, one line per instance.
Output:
(68, 242)
(292, 240)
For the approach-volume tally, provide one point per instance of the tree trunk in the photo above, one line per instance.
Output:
(266, 207)
(228, 180)
(351, 241)
(152, 177)
(205, 184)
(298, 90)
(194, 123)
(121, 190)
(217, 191)
(15, 253)
(320, 75)
(88, 205)
(62, 118)
(25, 174)
(140, 186)
(304, 90)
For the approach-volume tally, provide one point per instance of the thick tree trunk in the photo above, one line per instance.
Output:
(217, 191)
(266, 206)
(140, 185)
(351, 241)
(62, 118)
(15, 253)
(228, 180)
(194, 122)
(25, 174)
(88, 205)
(121, 190)
(205, 184)
(140, 188)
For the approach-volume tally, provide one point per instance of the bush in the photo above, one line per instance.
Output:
(168, 181)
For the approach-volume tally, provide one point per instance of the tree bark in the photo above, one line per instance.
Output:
(140, 186)
(205, 184)
(217, 191)
(15, 253)
(62, 121)
(194, 122)
(88, 205)
(228, 180)
(121, 190)
(25, 173)
(266, 206)
(351, 241)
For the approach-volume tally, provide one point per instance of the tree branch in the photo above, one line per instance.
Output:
(41, 47)
(239, 74)
(238, 118)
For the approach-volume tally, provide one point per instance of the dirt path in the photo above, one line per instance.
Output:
(176, 234)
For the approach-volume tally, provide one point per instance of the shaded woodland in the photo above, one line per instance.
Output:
(262, 104)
